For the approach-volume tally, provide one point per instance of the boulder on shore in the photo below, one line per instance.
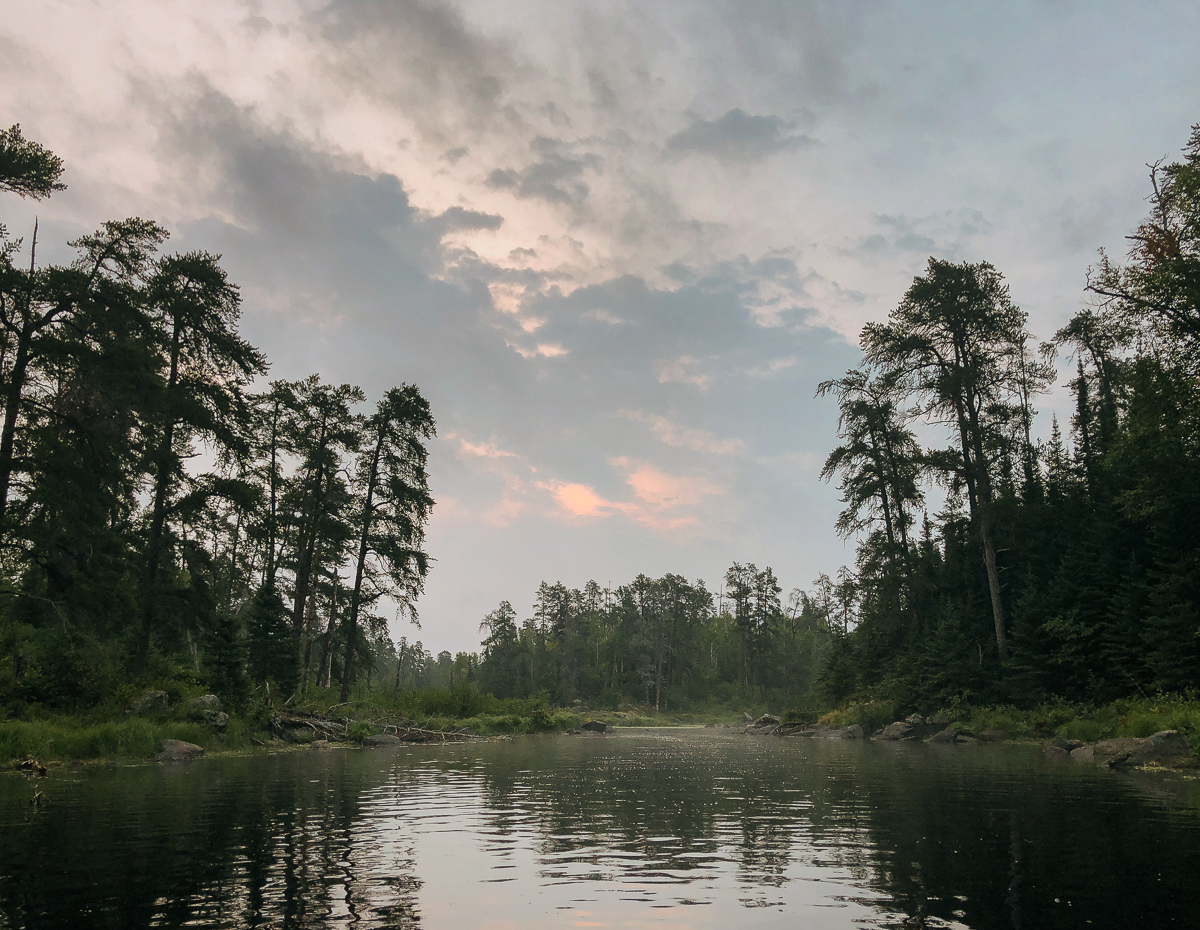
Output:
(594, 726)
(152, 702)
(176, 750)
(383, 739)
(913, 728)
(207, 709)
(1167, 747)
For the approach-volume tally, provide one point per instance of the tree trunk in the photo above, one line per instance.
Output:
(12, 403)
(158, 516)
(993, 575)
(325, 673)
(360, 567)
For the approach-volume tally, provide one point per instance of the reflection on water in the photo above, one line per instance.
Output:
(696, 829)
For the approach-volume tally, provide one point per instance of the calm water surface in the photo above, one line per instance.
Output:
(640, 828)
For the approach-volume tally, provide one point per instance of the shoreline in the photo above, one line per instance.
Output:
(1059, 728)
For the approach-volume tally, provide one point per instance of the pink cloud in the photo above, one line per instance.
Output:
(662, 491)
(660, 500)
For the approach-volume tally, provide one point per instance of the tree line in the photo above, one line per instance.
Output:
(1066, 567)
(164, 511)
(668, 643)
(991, 565)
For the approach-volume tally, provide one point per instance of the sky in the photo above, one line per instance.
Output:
(616, 245)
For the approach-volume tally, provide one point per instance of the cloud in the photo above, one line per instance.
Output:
(554, 177)
(661, 501)
(684, 370)
(773, 367)
(946, 233)
(456, 219)
(696, 440)
(737, 137)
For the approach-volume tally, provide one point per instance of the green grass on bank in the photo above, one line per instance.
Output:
(1135, 717)
(64, 739)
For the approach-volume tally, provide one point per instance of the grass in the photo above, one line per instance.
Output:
(1134, 717)
(64, 739)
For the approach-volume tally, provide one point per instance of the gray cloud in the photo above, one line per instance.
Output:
(554, 177)
(946, 233)
(421, 57)
(455, 219)
(738, 136)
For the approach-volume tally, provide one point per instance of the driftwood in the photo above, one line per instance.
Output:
(414, 734)
(322, 727)
(338, 728)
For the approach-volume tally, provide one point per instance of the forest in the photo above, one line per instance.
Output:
(992, 567)
(169, 515)
(163, 522)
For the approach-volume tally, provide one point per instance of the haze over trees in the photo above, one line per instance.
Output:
(997, 567)
(120, 558)
(1063, 568)
(991, 566)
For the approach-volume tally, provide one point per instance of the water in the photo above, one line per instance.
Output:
(640, 828)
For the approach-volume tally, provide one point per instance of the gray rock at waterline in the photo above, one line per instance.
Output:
(176, 750)
(948, 735)
(1066, 745)
(594, 726)
(854, 731)
(383, 739)
(1163, 748)
(299, 735)
(152, 702)
(912, 728)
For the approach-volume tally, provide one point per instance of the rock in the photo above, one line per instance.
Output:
(1066, 745)
(1057, 753)
(854, 731)
(299, 735)
(914, 727)
(948, 735)
(321, 744)
(204, 705)
(175, 750)
(594, 726)
(574, 732)
(993, 736)
(1167, 747)
(940, 719)
(207, 709)
(767, 720)
(152, 702)
(894, 731)
(382, 739)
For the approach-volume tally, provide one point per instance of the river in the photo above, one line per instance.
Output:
(699, 829)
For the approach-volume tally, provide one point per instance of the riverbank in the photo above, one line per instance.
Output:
(133, 733)
(1136, 718)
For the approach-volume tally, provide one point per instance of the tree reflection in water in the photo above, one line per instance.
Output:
(761, 831)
